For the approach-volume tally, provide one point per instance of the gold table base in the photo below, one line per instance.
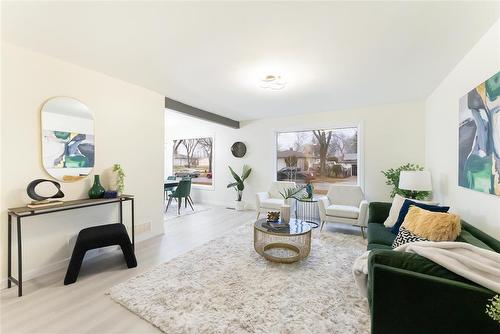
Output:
(297, 246)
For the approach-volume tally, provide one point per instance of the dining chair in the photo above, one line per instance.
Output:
(183, 190)
(167, 188)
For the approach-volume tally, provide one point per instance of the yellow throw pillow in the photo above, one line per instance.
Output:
(434, 226)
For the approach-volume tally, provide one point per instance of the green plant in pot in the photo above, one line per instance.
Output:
(288, 193)
(239, 185)
(392, 176)
(120, 178)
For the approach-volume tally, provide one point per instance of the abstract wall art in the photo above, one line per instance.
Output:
(479, 138)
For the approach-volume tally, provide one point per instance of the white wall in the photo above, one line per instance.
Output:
(128, 130)
(390, 135)
(479, 209)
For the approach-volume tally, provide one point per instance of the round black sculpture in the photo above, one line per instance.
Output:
(239, 149)
(32, 194)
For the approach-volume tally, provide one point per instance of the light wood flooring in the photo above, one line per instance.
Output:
(50, 307)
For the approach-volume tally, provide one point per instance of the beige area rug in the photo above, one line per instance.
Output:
(226, 287)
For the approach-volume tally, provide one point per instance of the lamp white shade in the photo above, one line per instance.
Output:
(415, 180)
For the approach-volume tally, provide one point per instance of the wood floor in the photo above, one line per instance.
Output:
(50, 307)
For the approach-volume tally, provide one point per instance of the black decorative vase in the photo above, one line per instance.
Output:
(97, 190)
(33, 194)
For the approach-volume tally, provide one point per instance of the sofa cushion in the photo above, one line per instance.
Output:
(379, 234)
(412, 262)
(397, 204)
(378, 246)
(466, 236)
(406, 206)
(404, 236)
(343, 211)
(272, 203)
(433, 226)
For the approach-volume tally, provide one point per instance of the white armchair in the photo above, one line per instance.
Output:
(344, 204)
(272, 200)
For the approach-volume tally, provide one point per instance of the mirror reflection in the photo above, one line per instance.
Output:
(68, 149)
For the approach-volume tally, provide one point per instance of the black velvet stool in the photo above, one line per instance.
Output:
(97, 237)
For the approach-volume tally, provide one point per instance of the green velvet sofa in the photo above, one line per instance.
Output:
(409, 294)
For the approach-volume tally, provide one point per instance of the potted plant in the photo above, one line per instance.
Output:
(292, 192)
(119, 176)
(239, 185)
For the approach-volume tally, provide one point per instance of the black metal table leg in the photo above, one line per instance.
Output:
(9, 252)
(133, 223)
(121, 212)
(19, 259)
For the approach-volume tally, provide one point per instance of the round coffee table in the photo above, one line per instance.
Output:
(283, 245)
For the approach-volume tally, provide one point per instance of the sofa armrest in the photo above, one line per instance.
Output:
(378, 212)
(402, 301)
(323, 203)
(260, 197)
(363, 212)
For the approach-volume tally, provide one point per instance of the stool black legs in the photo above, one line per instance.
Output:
(97, 237)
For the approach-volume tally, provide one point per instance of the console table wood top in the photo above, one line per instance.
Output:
(66, 205)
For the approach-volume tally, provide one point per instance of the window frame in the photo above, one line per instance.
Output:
(339, 125)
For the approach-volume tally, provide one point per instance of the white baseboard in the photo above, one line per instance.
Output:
(62, 264)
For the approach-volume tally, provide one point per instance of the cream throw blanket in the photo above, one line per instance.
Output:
(476, 264)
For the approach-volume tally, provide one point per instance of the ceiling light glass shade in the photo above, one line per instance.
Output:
(273, 82)
(415, 180)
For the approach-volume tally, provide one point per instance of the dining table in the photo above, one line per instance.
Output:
(171, 183)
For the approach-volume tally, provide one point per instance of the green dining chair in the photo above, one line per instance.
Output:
(168, 189)
(183, 190)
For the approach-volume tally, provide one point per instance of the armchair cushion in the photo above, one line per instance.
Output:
(272, 203)
(345, 195)
(343, 211)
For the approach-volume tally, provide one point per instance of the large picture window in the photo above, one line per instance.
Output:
(320, 157)
(193, 158)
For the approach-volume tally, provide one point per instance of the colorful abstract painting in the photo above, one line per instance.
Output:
(479, 138)
(68, 149)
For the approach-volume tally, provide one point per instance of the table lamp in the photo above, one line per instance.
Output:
(415, 181)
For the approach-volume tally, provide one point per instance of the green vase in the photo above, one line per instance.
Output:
(97, 190)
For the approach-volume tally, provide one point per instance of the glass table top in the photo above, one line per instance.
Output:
(296, 227)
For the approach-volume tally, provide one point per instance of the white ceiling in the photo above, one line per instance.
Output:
(334, 55)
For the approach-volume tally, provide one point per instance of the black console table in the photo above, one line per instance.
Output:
(23, 212)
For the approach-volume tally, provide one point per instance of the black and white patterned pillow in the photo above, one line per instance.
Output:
(404, 236)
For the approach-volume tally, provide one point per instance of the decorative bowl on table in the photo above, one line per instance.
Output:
(273, 216)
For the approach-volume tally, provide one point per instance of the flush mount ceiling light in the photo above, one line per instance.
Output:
(272, 82)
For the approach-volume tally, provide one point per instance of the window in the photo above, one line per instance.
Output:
(320, 157)
(193, 158)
